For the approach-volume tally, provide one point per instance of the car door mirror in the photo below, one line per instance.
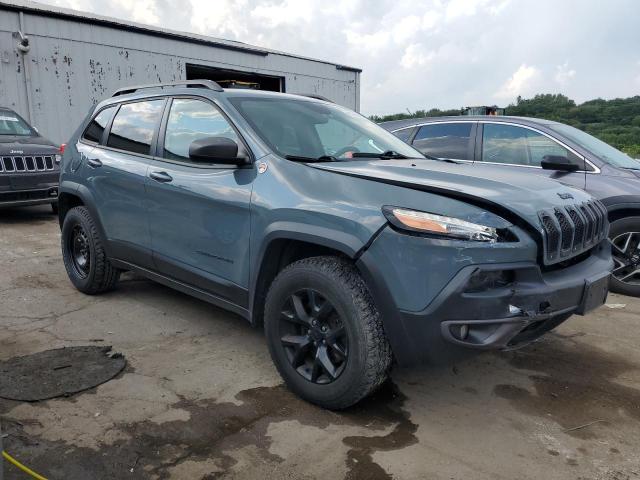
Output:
(217, 150)
(558, 162)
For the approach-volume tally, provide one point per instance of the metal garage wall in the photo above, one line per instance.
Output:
(74, 64)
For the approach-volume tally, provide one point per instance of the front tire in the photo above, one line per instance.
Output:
(325, 334)
(83, 254)
(625, 239)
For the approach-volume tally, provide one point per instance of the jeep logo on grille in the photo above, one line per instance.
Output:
(565, 196)
(18, 152)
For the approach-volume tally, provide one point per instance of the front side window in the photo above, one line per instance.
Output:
(312, 129)
(12, 124)
(133, 128)
(446, 140)
(191, 120)
(520, 146)
(94, 131)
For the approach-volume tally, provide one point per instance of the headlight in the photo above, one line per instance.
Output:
(439, 225)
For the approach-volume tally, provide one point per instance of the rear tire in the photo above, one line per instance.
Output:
(83, 254)
(344, 356)
(627, 260)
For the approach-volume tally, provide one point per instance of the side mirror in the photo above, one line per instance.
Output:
(558, 162)
(217, 150)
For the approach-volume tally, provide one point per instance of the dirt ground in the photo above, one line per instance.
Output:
(200, 398)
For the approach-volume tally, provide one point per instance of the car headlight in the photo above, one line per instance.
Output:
(439, 225)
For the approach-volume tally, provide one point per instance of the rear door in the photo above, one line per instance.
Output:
(448, 140)
(199, 212)
(116, 173)
(521, 149)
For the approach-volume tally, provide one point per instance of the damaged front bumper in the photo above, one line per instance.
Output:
(501, 304)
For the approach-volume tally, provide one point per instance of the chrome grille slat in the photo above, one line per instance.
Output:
(573, 229)
(27, 163)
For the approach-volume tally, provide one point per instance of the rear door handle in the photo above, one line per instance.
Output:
(94, 163)
(162, 177)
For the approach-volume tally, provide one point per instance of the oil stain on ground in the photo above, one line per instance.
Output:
(575, 385)
(213, 428)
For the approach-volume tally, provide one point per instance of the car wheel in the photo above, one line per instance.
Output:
(625, 239)
(83, 254)
(54, 208)
(325, 334)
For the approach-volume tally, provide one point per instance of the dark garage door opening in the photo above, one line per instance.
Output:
(235, 79)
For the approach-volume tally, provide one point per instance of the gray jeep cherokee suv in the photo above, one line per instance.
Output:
(29, 164)
(350, 247)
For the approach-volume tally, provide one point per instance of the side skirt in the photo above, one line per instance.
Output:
(183, 287)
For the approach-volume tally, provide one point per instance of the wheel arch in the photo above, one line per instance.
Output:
(282, 247)
(75, 195)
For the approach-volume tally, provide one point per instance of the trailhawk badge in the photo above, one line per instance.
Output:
(565, 196)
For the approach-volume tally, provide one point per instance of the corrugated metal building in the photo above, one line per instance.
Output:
(74, 59)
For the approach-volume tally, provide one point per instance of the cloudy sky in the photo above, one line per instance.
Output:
(428, 53)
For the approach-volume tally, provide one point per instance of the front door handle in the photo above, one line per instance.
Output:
(94, 163)
(162, 177)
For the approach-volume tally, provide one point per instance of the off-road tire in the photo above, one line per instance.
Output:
(369, 356)
(618, 227)
(102, 276)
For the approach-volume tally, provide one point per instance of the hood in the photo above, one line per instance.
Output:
(14, 144)
(523, 194)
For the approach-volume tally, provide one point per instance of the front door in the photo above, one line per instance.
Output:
(522, 149)
(199, 212)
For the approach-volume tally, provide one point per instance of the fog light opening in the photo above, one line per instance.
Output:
(482, 281)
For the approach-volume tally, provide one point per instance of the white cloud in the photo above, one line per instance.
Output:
(520, 83)
(564, 74)
(414, 56)
(289, 12)
(406, 28)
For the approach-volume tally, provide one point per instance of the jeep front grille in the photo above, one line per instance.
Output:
(35, 163)
(569, 231)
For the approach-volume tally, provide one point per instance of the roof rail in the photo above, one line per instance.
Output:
(316, 96)
(210, 84)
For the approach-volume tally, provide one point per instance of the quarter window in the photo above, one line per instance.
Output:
(134, 126)
(519, 146)
(446, 140)
(94, 131)
(404, 134)
(191, 120)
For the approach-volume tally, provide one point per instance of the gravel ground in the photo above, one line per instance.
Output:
(200, 398)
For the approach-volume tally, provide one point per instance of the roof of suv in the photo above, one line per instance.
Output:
(409, 122)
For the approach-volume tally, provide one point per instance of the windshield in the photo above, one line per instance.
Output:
(602, 150)
(11, 124)
(301, 128)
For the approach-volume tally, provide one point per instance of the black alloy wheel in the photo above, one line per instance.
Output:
(313, 337)
(80, 249)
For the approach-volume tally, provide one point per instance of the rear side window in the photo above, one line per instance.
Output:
(191, 120)
(134, 126)
(445, 140)
(94, 131)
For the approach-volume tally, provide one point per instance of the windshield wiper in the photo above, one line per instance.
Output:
(388, 155)
(322, 158)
